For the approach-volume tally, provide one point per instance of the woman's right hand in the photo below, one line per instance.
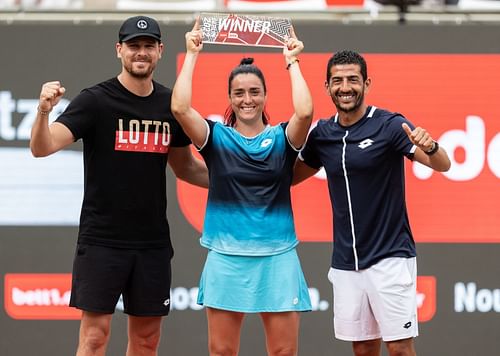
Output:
(194, 43)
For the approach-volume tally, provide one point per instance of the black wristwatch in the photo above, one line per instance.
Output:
(434, 148)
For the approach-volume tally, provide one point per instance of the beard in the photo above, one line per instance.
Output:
(140, 73)
(348, 108)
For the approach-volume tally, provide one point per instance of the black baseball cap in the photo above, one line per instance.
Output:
(138, 26)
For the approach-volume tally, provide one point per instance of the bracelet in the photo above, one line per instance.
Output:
(434, 149)
(42, 112)
(295, 60)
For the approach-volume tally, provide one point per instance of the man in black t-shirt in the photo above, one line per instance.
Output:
(128, 134)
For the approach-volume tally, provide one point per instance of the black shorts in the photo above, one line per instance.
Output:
(142, 276)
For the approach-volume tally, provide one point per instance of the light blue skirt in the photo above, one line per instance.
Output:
(254, 284)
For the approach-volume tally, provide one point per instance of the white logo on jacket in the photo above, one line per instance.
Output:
(365, 143)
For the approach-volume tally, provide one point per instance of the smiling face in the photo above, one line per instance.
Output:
(139, 56)
(247, 97)
(347, 88)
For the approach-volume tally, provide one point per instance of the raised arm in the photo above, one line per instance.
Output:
(191, 121)
(300, 122)
(436, 157)
(47, 139)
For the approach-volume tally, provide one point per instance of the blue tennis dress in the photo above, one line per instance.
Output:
(252, 265)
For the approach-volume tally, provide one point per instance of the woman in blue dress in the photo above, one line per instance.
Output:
(252, 265)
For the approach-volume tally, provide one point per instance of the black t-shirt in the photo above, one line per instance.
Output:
(126, 139)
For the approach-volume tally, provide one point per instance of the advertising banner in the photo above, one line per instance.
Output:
(458, 206)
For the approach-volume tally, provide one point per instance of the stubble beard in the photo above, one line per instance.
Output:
(141, 74)
(357, 104)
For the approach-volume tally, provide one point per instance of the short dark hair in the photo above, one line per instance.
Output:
(347, 57)
(246, 66)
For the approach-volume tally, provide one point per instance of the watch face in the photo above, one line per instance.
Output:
(434, 148)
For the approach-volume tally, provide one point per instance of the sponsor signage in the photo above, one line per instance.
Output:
(458, 206)
(470, 298)
(426, 297)
(46, 296)
(39, 296)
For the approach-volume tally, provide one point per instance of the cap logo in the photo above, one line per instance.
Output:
(142, 24)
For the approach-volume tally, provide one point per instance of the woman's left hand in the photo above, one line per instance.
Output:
(293, 47)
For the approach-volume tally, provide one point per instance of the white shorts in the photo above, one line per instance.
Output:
(377, 302)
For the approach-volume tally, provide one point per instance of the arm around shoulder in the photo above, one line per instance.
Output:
(302, 171)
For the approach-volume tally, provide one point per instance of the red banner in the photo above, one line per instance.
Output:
(39, 296)
(283, 5)
(453, 96)
(426, 297)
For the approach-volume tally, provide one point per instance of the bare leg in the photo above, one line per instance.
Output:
(143, 335)
(403, 347)
(367, 348)
(95, 329)
(282, 333)
(224, 332)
